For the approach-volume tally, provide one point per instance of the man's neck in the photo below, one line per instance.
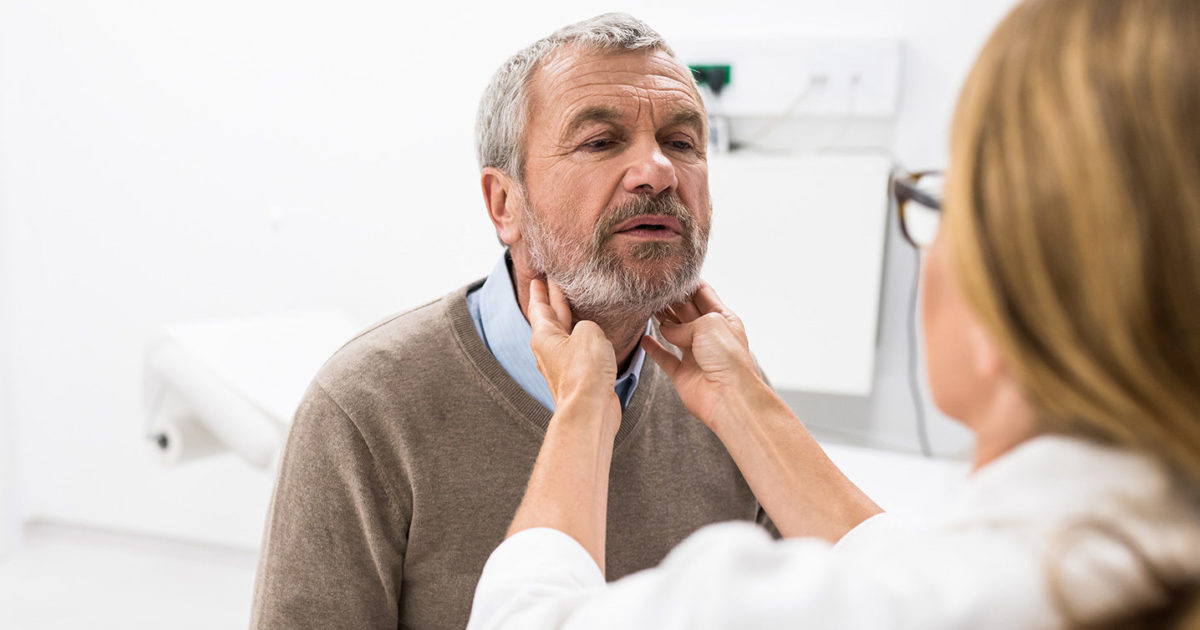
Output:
(623, 329)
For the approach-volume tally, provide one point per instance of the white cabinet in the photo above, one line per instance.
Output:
(797, 251)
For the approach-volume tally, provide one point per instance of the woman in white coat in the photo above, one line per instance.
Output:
(1061, 305)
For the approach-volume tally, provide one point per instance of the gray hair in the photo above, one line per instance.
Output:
(503, 110)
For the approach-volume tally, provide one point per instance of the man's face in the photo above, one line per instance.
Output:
(616, 181)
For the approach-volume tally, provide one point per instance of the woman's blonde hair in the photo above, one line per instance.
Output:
(1073, 212)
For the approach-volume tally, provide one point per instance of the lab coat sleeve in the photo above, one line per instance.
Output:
(733, 575)
(880, 527)
(533, 580)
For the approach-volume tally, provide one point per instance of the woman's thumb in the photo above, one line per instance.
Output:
(678, 334)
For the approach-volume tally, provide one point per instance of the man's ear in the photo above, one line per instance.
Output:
(502, 196)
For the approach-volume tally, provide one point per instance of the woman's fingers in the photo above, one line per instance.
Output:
(537, 292)
(667, 316)
(558, 301)
(572, 361)
(685, 310)
(701, 302)
(660, 355)
(678, 334)
(542, 317)
(706, 300)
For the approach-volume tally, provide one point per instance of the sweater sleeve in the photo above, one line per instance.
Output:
(335, 538)
(766, 523)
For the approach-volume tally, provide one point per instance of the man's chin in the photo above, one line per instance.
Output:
(671, 252)
(637, 291)
(662, 282)
(652, 274)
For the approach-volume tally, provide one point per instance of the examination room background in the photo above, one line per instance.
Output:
(172, 161)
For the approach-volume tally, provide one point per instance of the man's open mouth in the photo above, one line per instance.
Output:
(651, 225)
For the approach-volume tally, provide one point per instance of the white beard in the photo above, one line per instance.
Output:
(594, 278)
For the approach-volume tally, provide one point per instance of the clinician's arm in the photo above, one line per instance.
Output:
(801, 489)
(568, 489)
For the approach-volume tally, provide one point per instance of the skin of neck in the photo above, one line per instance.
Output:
(1001, 422)
(624, 329)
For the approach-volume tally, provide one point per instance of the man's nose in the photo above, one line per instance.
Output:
(649, 172)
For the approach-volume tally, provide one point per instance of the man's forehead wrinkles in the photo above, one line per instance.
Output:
(573, 95)
(672, 100)
(614, 92)
(626, 100)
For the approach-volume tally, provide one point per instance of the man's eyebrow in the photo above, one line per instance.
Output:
(687, 117)
(594, 113)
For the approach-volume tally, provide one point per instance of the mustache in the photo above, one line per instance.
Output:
(669, 205)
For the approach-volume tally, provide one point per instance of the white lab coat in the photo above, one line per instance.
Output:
(981, 562)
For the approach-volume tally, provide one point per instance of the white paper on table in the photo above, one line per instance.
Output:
(238, 379)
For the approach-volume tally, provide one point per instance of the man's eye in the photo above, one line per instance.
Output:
(599, 144)
(681, 145)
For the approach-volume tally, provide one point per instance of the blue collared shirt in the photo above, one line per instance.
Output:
(506, 333)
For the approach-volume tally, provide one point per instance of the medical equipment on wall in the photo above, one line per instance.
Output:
(792, 95)
(712, 81)
(232, 385)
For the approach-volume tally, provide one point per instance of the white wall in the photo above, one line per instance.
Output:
(10, 515)
(169, 161)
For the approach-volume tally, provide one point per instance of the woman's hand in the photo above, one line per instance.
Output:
(800, 487)
(568, 488)
(716, 369)
(578, 362)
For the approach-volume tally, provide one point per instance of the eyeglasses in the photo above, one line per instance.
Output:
(918, 199)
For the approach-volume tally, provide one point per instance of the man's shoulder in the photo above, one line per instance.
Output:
(419, 341)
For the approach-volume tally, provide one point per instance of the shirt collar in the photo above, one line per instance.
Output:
(506, 333)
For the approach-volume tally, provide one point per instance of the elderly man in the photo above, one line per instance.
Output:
(413, 446)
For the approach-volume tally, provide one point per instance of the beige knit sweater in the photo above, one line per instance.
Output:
(407, 460)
